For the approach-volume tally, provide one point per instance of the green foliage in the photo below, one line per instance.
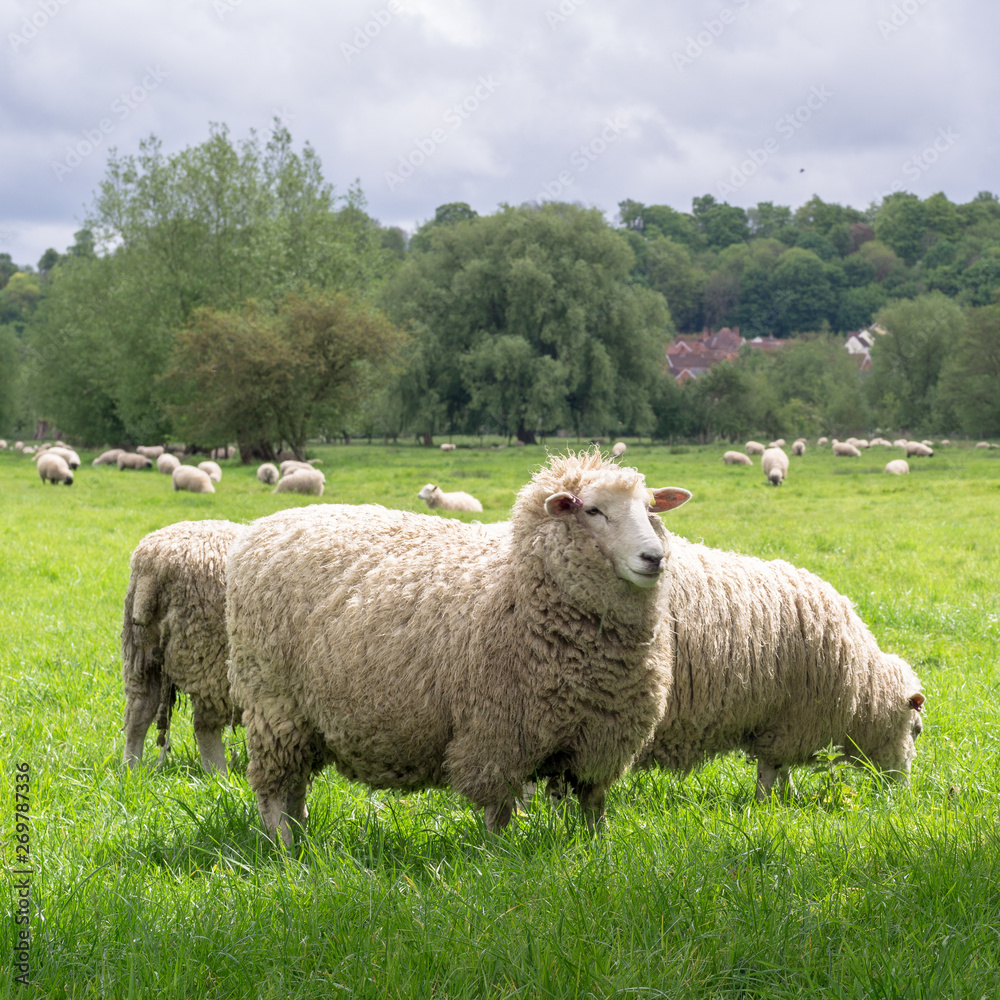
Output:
(969, 386)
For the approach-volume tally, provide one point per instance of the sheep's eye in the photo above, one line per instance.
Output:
(592, 511)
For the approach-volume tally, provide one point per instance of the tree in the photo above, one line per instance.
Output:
(722, 224)
(671, 271)
(900, 222)
(969, 385)
(802, 286)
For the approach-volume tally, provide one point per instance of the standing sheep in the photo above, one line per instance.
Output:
(434, 498)
(167, 463)
(267, 473)
(108, 457)
(413, 651)
(308, 481)
(212, 470)
(737, 458)
(897, 467)
(844, 450)
(187, 477)
(774, 463)
(918, 449)
(618, 449)
(54, 469)
(772, 660)
(798, 447)
(754, 448)
(174, 637)
(447, 446)
(151, 451)
(133, 460)
(293, 465)
(71, 457)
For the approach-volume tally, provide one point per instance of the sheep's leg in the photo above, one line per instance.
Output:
(208, 733)
(141, 704)
(770, 774)
(591, 799)
(497, 814)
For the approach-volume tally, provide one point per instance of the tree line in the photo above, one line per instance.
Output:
(228, 293)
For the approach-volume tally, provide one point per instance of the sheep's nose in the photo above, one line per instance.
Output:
(656, 561)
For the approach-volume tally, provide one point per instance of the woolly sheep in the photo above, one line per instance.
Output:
(774, 463)
(434, 498)
(823, 440)
(3, 444)
(799, 448)
(772, 660)
(222, 453)
(133, 460)
(29, 449)
(292, 465)
(918, 449)
(309, 482)
(447, 446)
(54, 469)
(982, 444)
(897, 467)
(779, 443)
(108, 457)
(737, 458)
(899, 443)
(71, 457)
(167, 463)
(212, 469)
(18, 445)
(844, 450)
(619, 448)
(754, 448)
(413, 651)
(267, 473)
(174, 637)
(187, 477)
(151, 451)
(927, 443)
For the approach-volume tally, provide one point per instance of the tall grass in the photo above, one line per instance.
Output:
(161, 883)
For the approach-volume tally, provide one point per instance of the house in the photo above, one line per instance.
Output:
(691, 355)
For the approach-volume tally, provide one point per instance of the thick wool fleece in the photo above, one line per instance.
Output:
(772, 660)
(174, 635)
(415, 651)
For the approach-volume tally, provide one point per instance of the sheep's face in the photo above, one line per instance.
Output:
(621, 523)
(896, 755)
(427, 494)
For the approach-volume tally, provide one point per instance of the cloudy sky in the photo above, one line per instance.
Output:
(433, 101)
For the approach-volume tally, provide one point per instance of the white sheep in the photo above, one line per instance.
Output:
(174, 637)
(308, 481)
(899, 443)
(778, 443)
(737, 458)
(897, 467)
(133, 460)
(3, 444)
(187, 477)
(447, 446)
(434, 498)
(71, 457)
(267, 473)
(108, 457)
(618, 449)
(414, 651)
(54, 469)
(167, 463)
(18, 446)
(774, 463)
(292, 465)
(982, 444)
(823, 440)
(212, 470)
(798, 447)
(844, 450)
(918, 449)
(772, 660)
(754, 448)
(151, 451)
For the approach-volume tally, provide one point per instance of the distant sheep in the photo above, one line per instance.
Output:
(151, 451)
(212, 469)
(187, 477)
(737, 458)
(918, 449)
(292, 465)
(618, 449)
(899, 443)
(447, 446)
(268, 473)
(982, 444)
(174, 637)
(779, 443)
(897, 467)
(133, 460)
(798, 448)
(774, 463)
(754, 448)
(823, 440)
(435, 498)
(72, 458)
(844, 450)
(3, 444)
(223, 453)
(108, 457)
(167, 463)
(309, 482)
(54, 469)
(18, 445)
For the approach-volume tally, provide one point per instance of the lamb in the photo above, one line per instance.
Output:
(918, 449)
(772, 660)
(308, 481)
(897, 467)
(774, 462)
(187, 477)
(413, 651)
(844, 450)
(798, 448)
(754, 448)
(212, 470)
(618, 449)
(434, 498)
(267, 473)
(167, 463)
(151, 451)
(737, 458)
(54, 469)
(174, 637)
(133, 460)
(108, 457)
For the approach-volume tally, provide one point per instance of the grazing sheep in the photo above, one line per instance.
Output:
(821, 441)
(798, 447)
(772, 660)
(737, 458)
(108, 457)
(29, 449)
(982, 444)
(72, 458)
(434, 498)
(151, 451)
(3, 444)
(167, 463)
(414, 651)
(54, 469)
(292, 465)
(133, 460)
(187, 477)
(267, 473)
(754, 448)
(618, 449)
(927, 443)
(899, 443)
(174, 637)
(897, 467)
(18, 445)
(779, 443)
(774, 462)
(212, 469)
(918, 449)
(447, 447)
(844, 450)
(309, 482)
(223, 453)
(944, 442)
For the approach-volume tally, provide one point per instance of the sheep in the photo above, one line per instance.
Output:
(899, 443)
(753, 448)
(3, 444)
(447, 447)
(927, 443)
(133, 460)
(212, 469)
(434, 498)
(151, 451)
(618, 449)
(223, 452)
(167, 463)
(798, 448)
(779, 443)
(54, 469)
(982, 444)
(18, 446)
(918, 449)
(108, 457)
(413, 651)
(772, 660)
(897, 467)
(267, 473)
(187, 477)
(844, 450)
(174, 637)
(292, 465)
(737, 458)
(774, 462)
(309, 482)
(822, 441)
(72, 458)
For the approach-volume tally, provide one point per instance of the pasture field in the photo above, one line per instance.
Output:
(161, 884)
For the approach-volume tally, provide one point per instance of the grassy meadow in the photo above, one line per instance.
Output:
(161, 884)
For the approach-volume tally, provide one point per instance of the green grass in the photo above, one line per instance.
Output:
(161, 884)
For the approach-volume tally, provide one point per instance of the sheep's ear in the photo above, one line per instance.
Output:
(917, 701)
(562, 503)
(668, 498)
